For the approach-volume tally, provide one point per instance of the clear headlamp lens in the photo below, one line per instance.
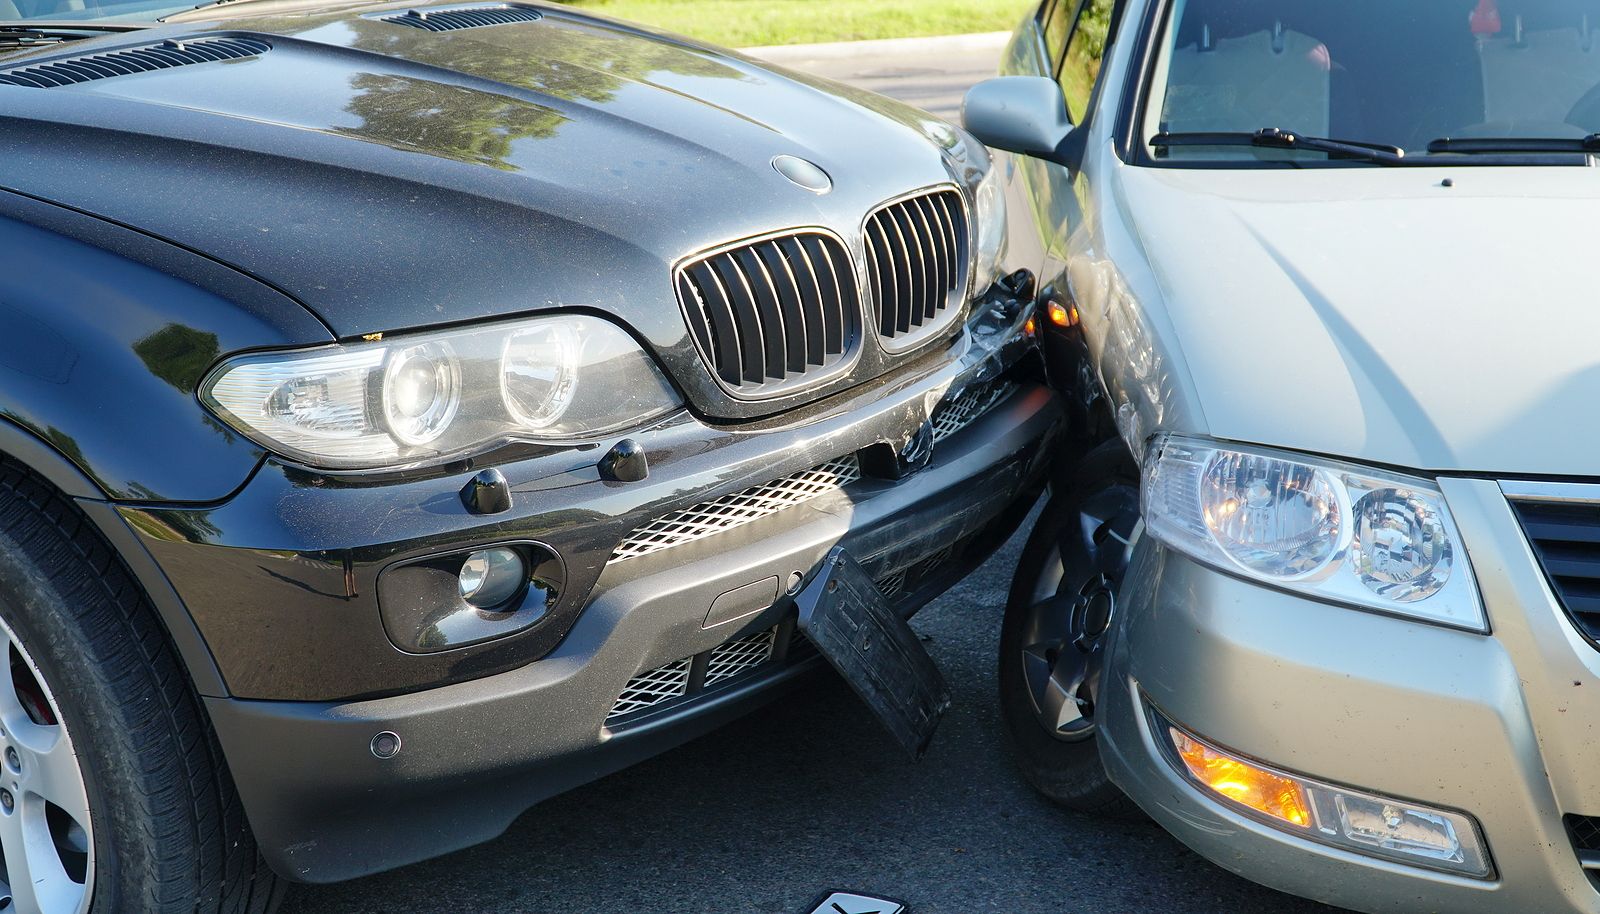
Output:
(1339, 532)
(430, 397)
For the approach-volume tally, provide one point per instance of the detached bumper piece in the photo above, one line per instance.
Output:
(876, 652)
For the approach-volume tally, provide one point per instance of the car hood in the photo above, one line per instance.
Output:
(1385, 315)
(389, 177)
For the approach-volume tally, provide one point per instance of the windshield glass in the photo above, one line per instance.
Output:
(21, 12)
(1393, 72)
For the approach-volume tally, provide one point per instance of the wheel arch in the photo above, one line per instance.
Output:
(23, 448)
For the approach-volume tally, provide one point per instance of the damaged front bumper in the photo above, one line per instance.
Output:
(675, 615)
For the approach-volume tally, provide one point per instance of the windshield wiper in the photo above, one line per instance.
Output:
(15, 35)
(1276, 138)
(1515, 144)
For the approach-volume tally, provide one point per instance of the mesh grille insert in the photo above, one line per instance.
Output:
(472, 17)
(738, 509)
(129, 61)
(652, 688)
(1585, 832)
(735, 657)
(957, 414)
(723, 663)
(772, 314)
(917, 256)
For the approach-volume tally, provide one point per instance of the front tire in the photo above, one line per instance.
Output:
(120, 800)
(1061, 606)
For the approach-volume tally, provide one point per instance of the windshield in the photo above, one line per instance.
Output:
(1399, 73)
(61, 11)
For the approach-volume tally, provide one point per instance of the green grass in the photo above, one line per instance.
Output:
(748, 23)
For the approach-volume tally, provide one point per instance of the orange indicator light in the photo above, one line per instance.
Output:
(1256, 788)
(1059, 314)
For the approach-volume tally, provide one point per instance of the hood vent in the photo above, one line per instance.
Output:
(128, 61)
(472, 17)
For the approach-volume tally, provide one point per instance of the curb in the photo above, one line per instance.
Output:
(839, 50)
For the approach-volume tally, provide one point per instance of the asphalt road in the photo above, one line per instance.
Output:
(809, 795)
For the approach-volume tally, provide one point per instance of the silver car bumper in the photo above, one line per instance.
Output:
(1504, 727)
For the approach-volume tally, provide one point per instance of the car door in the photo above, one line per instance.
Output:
(1064, 40)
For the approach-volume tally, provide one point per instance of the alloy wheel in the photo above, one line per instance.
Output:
(46, 837)
(1075, 603)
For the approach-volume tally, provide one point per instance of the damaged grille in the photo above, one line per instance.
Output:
(732, 511)
(738, 509)
(957, 414)
(722, 664)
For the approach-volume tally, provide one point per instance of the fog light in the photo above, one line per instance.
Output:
(1354, 820)
(492, 577)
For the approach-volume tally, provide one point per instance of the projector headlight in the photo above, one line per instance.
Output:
(1334, 531)
(432, 397)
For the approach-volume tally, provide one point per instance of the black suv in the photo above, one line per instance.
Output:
(412, 413)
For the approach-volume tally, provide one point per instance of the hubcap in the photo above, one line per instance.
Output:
(46, 841)
(1075, 604)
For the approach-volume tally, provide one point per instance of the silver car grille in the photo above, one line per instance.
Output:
(738, 509)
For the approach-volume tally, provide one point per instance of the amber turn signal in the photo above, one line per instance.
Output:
(1236, 779)
(1059, 314)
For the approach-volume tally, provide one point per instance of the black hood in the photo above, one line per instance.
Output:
(389, 177)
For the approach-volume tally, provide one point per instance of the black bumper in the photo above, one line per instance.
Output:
(474, 755)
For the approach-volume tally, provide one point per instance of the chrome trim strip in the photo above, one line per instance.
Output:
(1541, 490)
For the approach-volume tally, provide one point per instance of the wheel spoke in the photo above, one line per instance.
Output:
(53, 776)
(15, 845)
(1058, 701)
(1049, 625)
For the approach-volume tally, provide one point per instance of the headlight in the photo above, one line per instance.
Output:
(437, 396)
(1338, 532)
(989, 209)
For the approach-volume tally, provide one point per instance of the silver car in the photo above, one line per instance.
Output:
(1323, 595)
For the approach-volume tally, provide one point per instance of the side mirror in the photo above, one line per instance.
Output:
(1023, 114)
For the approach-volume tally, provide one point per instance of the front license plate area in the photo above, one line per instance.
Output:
(847, 618)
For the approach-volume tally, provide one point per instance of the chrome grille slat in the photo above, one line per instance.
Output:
(917, 263)
(738, 509)
(774, 313)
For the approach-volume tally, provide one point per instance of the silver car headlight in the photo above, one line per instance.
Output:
(989, 209)
(1338, 532)
(430, 397)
